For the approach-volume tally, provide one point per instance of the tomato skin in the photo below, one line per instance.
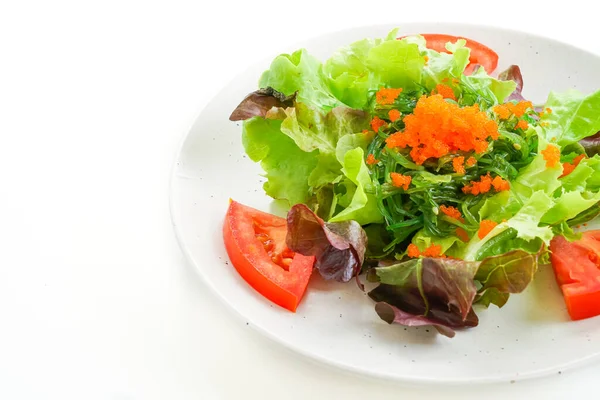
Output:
(250, 258)
(576, 266)
(480, 53)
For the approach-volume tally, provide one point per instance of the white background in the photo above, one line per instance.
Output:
(96, 300)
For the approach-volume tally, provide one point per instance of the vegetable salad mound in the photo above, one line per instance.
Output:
(406, 161)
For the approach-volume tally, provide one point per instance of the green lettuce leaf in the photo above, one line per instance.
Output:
(522, 230)
(574, 116)
(443, 66)
(351, 142)
(569, 205)
(328, 170)
(311, 129)
(422, 240)
(300, 73)
(537, 176)
(363, 206)
(366, 65)
(489, 88)
(286, 167)
(501, 275)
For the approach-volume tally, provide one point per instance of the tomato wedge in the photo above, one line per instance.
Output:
(480, 53)
(576, 266)
(255, 243)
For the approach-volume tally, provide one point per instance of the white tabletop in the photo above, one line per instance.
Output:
(96, 300)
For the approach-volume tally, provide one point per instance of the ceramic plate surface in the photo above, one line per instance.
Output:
(336, 323)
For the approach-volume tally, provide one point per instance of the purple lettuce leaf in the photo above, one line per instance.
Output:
(259, 102)
(439, 290)
(394, 315)
(591, 144)
(513, 73)
(339, 247)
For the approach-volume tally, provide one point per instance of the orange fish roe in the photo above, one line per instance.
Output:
(551, 155)
(485, 227)
(502, 111)
(394, 115)
(569, 167)
(462, 234)
(377, 123)
(522, 124)
(451, 211)
(438, 127)
(519, 109)
(500, 184)
(478, 187)
(371, 159)
(471, 161)
(458, 163)
(434, 251)
(505, 110)
(413, 251)
(400, 180)
(365, 131)
(548, 110)
(445, 91)
(387, 96)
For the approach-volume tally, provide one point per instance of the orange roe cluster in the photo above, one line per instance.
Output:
(458, 163)
(385, 96)
(569, 167)
(462, 234)
(471, 161)
(445, 91)
(522, 124)
(485, 227)
(505, 110)
(438, 127)
(394, 115)
(451, 211)
(502, 111)
(485, 184)
(377, 123)
(500, 184)
(413, 251)
(520, 108)
(399, 180)
(433, 251)
(371, 159)
(551, 155)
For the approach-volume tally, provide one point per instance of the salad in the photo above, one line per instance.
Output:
(406, 164)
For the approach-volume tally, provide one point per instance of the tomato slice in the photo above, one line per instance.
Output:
(576, 266)
(255, 243)
(480, 53)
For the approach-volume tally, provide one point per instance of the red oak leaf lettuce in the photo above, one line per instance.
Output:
(259, 102)
(339, 247)
(513, 73)
(440, 291)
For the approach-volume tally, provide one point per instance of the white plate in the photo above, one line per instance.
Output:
(336, 323)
